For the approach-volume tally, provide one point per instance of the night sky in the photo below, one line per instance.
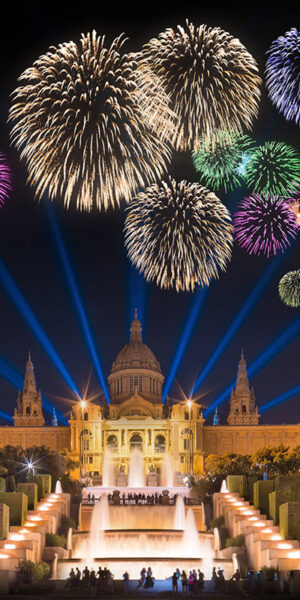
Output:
(94, 242)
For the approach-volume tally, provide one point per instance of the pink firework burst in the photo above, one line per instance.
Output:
(264, 224)
(5, 179)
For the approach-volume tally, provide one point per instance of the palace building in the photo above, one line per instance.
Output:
(137, 418)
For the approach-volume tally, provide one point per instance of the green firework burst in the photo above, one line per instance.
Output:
(222, 158)
(289, 289)
(274, 168)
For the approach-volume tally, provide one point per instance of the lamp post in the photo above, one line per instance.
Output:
(189, 465)
(82, 405)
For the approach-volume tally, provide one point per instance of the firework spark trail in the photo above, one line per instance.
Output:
(289, 289)
(91, 126)
(5, 179)
(221, 159)
(273, 168)
(178, 234)
(212, 79)
(264, 225)
(283, 74)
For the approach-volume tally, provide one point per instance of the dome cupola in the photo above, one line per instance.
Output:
(135, 369)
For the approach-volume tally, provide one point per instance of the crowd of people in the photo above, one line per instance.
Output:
(190, 583)
(96, 582)
(133, 498)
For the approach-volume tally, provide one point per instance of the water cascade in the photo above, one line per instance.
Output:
(136, 475)
(179, 517)
(99, 523)
(167, 471)
(58, 488)
(108, 479)
(191, 544)
(224, 488)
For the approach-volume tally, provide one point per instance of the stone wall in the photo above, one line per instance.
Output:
(247, 439)
(4, 521)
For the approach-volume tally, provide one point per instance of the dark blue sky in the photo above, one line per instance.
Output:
(95, 241)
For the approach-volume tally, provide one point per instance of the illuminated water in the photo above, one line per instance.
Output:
(136, 473)
(58, 488)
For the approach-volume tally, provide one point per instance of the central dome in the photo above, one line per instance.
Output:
(135, 369)
(136, 354)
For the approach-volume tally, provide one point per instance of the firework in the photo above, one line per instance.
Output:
(178, 234)
(5, 179)
(283, 74)
(212, 79)
(90, 124)
(273, 168)
(289, 289)
(221, 159)
(264, 224)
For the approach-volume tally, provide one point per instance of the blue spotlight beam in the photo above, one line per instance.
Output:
(241, 316)
(137, 294)
(23, 307)
(282, 398)
(261, 361)
(197, 305)
(13, 376)
(77, 301)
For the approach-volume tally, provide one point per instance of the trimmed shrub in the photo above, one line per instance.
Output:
(217, 522)
(262, 489)
(238, 540)
(17, 502)
(42, 570)
(53, 539)
(66, 523)
(237, 484)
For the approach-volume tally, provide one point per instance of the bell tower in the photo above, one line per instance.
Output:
(29, 402)
(243, 409)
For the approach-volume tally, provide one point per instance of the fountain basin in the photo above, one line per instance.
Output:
(140, 516)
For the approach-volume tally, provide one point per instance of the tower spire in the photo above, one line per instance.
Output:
(29, 379)
(243, 410)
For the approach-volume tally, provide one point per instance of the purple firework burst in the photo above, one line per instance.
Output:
(264, 224)
(283, 74)
(5, 179)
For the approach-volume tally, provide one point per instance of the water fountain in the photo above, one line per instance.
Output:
(179, 517)
(224, 488)
(136, 473)
(166, 479)
(108, 479)
(58, 488)
(161, 534)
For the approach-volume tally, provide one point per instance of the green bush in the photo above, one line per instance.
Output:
(238, 540)
(218, 522)
(27, 570)
(269, 573)
(42, 570)
(53, 539)
(65, 524)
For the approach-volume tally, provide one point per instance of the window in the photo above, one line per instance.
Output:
(136, 383)
(182, 459)
(186, 416)
(90, 459)
(86, 416)
(244, 409)
(131, 384)
(86, 444)
(186, 444)
(112, 443)
(160, 444)
(140, 384)
(136, 442)
(27, 410)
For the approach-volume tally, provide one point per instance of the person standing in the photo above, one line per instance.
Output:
(184, 581)
(125, 583)
(174, 583)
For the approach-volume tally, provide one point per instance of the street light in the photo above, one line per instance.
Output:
(83, 405)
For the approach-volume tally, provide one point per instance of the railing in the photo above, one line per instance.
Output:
(133, 501)
(159, 448)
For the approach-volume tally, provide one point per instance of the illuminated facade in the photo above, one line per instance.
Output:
(137, 418)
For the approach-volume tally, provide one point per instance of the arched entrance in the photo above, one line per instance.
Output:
(136, 442)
